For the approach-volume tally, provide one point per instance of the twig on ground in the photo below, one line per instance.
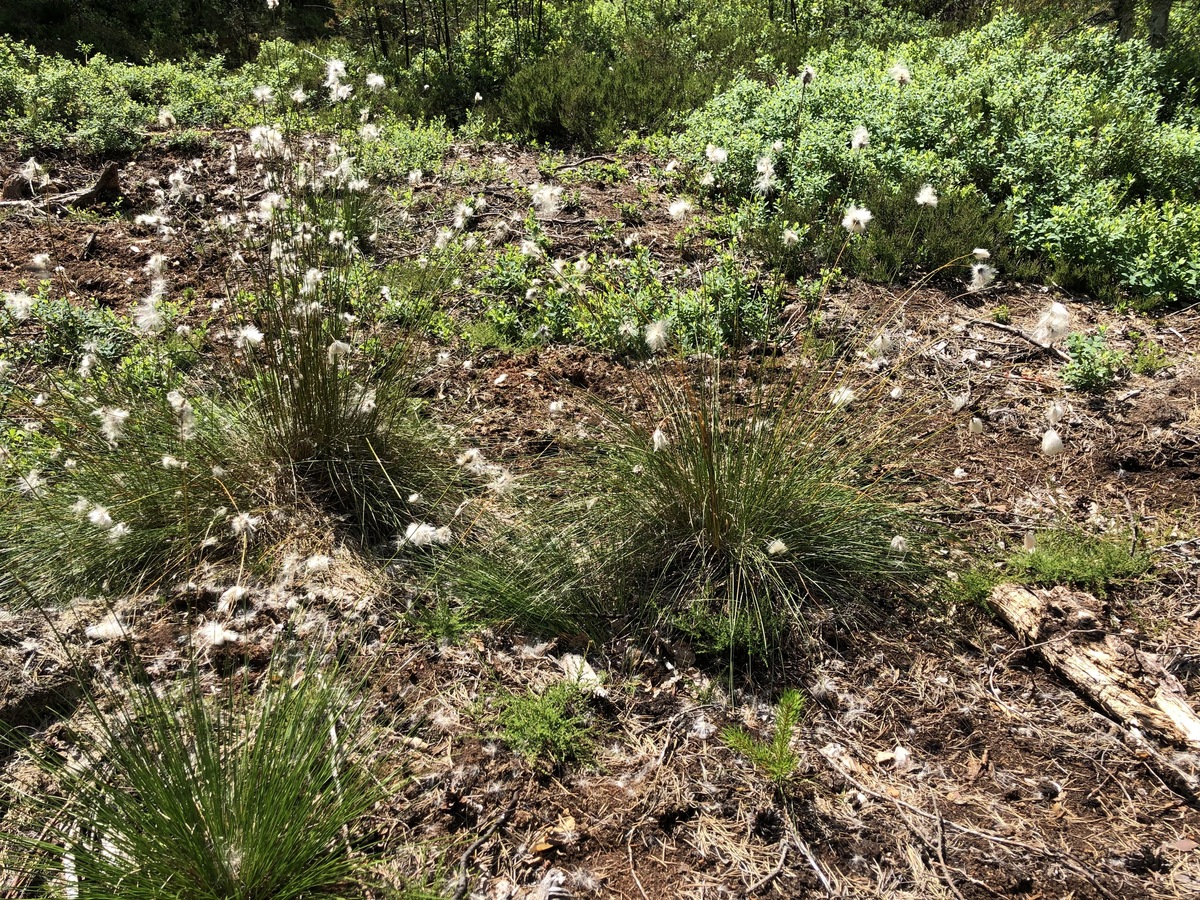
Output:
(632, 870)
(1048, 349)
(774, 873)
(580, 162)
(465, 861)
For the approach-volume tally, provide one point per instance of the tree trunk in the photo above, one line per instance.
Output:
(1123, 12)
(1160, 16)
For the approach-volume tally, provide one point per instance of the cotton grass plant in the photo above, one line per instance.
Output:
(143, 471)
(326, 396)
(739, 508)
(753, 510)
(128, 485)
(176, 793)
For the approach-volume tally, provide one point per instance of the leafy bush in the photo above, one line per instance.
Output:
(1095, 365)
(1060, 146)
(101, 106)
(234, 797)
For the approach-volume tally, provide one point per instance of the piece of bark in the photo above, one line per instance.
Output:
(107, 185)
(16, 187)
(1063, 627)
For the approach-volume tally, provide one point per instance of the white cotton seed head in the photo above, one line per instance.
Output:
(680, 209)
(1054, 324)
(546, 199)
(248, 336)
(99, 516)
(318, 563)
(112, 422)
(1055, 412)
(110, 628)
(776, 548)
(860, 137)
(335, 71)
(230, 599)
(422, 534)
(981, 254)
(19, 305)
(1052, 444)
(656, 335)
(900, 74)
(716, 155)
(976, 426)
(337, 351)
(899, 544)
(244, 523)
(214, 634)
(856, 219)
(659, 440)
(841, 396)
(982, 276)
(927, 196)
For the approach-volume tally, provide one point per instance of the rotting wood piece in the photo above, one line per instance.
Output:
(1063, 627)
(107, 186)
(16, 187)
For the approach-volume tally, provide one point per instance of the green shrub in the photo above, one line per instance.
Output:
(548, 727)
(101, 106)
(234, 797)
(1149, 358)
(1095, 365)
(1056, 149)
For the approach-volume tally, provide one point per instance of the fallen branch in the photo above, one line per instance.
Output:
(465, 861)
(1048, 349)
(580, 162)
(1131, 685)
(106, 186)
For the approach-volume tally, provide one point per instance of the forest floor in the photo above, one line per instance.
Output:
(1006, 782)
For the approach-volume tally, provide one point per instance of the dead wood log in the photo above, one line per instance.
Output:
(107, 186)
(16, 187)
(1063, 627)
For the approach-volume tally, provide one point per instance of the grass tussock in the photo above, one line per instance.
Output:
(177, 793)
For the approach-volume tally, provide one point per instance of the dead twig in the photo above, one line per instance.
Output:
(1048, 349)
(774, 873)
(465, 861)
(632, 871)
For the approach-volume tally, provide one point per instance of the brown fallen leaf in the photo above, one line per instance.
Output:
(1183, 845)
